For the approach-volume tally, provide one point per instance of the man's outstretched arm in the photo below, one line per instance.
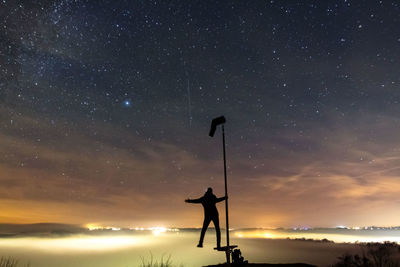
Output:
(197, 200)
(219, 199)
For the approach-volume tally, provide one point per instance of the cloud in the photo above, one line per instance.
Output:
(113, 176)
(76, 172)
(347, 171)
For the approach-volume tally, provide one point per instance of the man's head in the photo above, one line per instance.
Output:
(209, 191)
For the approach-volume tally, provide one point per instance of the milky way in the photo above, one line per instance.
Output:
(106, 105)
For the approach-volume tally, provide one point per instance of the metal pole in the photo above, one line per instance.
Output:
(226, 201)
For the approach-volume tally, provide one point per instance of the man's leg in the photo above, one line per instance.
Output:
(203, 231)
(217, 230)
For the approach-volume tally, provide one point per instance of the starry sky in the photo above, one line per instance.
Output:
(105, 108)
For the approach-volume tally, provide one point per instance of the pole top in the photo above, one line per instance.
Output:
(214, 123)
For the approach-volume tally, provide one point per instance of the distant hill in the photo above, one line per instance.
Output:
(39, 228)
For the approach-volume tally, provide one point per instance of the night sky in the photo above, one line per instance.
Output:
(105, 108)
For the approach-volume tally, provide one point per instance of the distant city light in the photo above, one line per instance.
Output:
(158, 230)
(93, 227)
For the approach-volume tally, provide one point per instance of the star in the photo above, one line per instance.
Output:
(127, 103)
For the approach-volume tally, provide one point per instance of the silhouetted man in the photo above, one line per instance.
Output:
(210, 214)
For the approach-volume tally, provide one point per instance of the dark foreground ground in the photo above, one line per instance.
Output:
(268, 265)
